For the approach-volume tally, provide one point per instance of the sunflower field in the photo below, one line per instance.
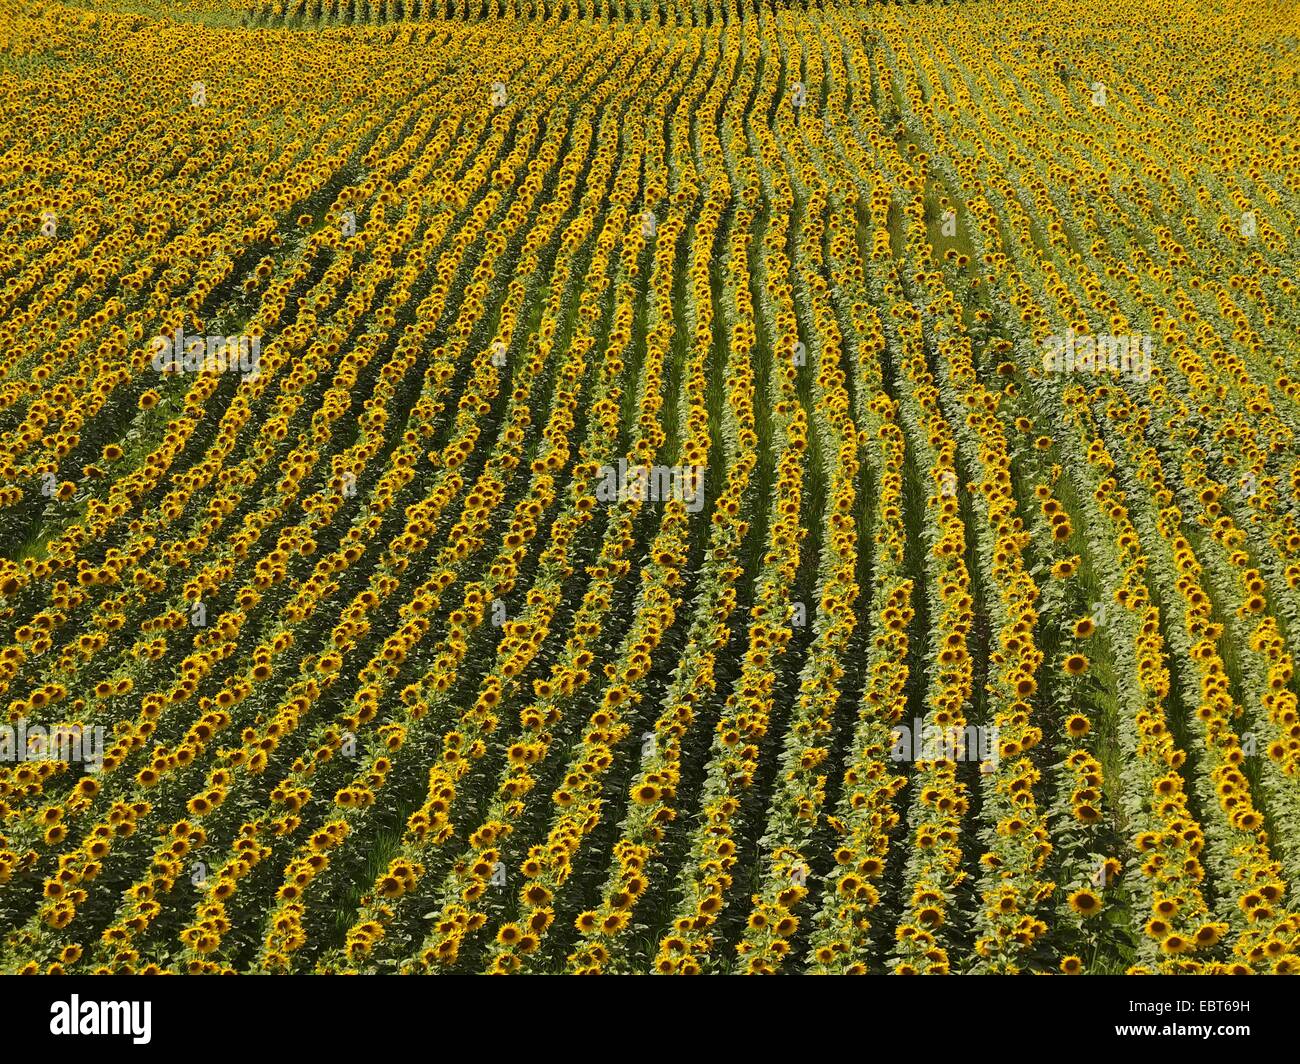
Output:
(649, 486)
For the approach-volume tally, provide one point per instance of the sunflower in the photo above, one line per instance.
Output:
(1086, 813)
(1208, 934)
